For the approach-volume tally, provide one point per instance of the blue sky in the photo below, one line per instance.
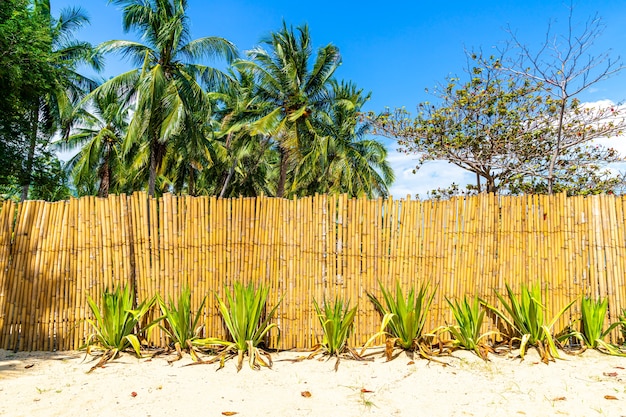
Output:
(393, 49)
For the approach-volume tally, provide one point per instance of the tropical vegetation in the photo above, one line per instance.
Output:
(405, 318)
(275, 122)
(244, 313)
(117, 323)
(526, 321)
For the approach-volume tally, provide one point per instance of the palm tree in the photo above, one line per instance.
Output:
(98, 136)
(295, 90)
(345, 160)
(51, 112)
(166, 80)
(250, 166)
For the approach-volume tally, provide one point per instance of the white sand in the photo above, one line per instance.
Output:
(56, 384)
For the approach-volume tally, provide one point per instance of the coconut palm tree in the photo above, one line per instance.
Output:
(101, 125)
(345, 160)
(250, 166)
(51, 113)
(166, 80)
(295, 84)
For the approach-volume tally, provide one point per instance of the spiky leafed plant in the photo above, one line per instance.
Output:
(248, 324)
(525, 316)
(592, 322)
(407, 317)
(337, 321)
(181, 325)
(116, 323)
(469, 316)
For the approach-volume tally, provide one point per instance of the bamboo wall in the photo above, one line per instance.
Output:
(52, 255)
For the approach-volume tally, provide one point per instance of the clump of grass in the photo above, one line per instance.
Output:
(182, 327)
(244, 314)
(469, 316)
(406, 317)
(116, 324)
(525, 317)
(591, 332)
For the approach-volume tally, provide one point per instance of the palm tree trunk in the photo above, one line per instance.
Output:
(280, 191)
(28, 167)
(105, 180)
(152, 175)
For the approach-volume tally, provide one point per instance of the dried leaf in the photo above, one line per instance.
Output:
(618, 367)
(610, 397)
(411, 363)
(559, 399)
(229, 413)
(305, 394)
(365, 390)
(29, 366)
(609, 373)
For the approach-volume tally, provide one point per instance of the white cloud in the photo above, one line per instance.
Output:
(430, 176)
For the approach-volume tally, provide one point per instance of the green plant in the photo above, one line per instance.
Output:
(337, 321)
(243, 312)
(182, 327)
(469, 317)
(406, 317)
(117, 323)
(592, 322)
(622, 328)
(526, 321)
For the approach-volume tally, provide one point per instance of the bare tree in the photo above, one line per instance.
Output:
(565, 67)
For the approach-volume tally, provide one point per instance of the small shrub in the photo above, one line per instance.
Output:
(592, 322)
(469, 317)
(182, 327)
(243, 312)
(337, 321)
(525, 318)
(406, 317)
(116, 324)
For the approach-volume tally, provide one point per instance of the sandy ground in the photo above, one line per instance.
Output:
(56, 384)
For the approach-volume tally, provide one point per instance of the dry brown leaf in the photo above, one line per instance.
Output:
(229, 413)
(618, 367)
(305, 394)
(610, 397)
(29, 366)
(411, 363)
(609, 373)
(364, 390)
(559, 399)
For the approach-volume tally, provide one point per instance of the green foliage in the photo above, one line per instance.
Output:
(171, 107)
(182, 327)
(469, 317)
(407, 316)
(337, 321)
(527, 324)
(622, 319)
(592, 323)
(244, 314)
(116, 323)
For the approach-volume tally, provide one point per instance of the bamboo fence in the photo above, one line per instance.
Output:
(53, 255)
